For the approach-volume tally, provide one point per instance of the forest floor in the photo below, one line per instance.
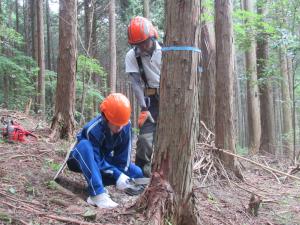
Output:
(28, 194)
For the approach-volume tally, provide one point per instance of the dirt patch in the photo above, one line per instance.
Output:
(28, 194)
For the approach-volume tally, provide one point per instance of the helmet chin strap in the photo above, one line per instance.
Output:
(153, 39)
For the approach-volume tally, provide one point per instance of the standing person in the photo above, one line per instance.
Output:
(143, 64)
(102, 152)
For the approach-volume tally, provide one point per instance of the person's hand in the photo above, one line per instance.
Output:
(126, 184)
(122, 182)
(144, 115)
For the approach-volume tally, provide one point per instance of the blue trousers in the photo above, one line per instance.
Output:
(98, 169)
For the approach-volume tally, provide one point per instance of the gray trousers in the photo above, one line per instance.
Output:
(145, 142)
(144, 150)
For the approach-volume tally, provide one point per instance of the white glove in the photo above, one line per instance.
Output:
(122, 182)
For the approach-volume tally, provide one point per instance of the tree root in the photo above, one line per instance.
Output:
(61, 128)
(156, 200)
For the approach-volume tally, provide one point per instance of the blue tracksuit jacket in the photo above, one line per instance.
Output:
(102, 156)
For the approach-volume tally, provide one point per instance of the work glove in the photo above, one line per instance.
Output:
(124, 183)
(143, 117)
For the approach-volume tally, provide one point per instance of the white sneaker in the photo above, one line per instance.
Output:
(102, 201)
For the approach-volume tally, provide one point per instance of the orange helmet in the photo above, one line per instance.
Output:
(116, 108)
(140, 29)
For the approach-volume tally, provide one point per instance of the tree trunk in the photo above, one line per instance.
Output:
(252, 91)
(240, 96)
(94, 54)
(278, 116)
(169, 197)
(224, 82)
(289, 60)
(4, 77)
(5, 91)
(49, 67)
(112, 46)
(34, 29)
(41, 58)
(208, 77)
(17, 15)
(63, 123)
(286, 105)
(27, 27)
(266, 93)
(146, 9)
(34, 48)
(88, 23)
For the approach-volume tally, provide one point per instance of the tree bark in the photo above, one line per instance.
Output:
(207, 92)
(27, 27)
(240, 96)
(49, 37)
(17, 15)
(286, 105)
(224, 82)
(169, 197)
(252, 91)
(94, 54)
(146, 9)
(278, 116)
(41, 58)
(5, 81)
(266, 93)
(88, 23)
(112, 46)
(34, 29)
(63, 123)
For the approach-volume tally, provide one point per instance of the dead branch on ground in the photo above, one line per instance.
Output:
(204, 158)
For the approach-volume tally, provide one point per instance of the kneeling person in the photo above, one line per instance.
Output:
(103, 149)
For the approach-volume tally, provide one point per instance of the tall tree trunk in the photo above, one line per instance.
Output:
(112, 46)
(41, 58)
(49, 66)
(27, 27)
(169, 197)
(286, 105)
(17, 15)
(252, 90)
(208, 77)
(146, 9)
(34, 29)
(5, 81)
(224, 82)
(63, 123)
(289, 61)
(34, 48)
(266, 92)
(88, 23)
(94, 54)
(240, 96)
(277, 99)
